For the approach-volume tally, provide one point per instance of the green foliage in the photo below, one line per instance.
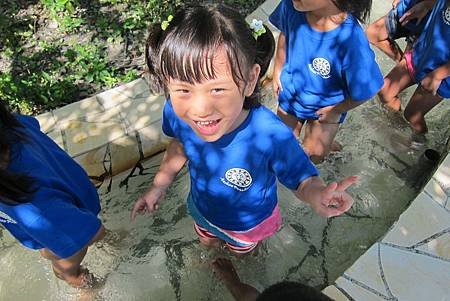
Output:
(89, 47)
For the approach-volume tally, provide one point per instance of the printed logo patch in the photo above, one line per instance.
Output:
(320, 66)
(5, 218)
(446, 15)
(237, 178)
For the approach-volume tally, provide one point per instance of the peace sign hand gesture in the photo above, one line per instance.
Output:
(327, 200)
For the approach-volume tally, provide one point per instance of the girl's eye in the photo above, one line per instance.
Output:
(182, 91)
(217, 90)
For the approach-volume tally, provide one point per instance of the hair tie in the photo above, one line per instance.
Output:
(257, 28)
(166, 23)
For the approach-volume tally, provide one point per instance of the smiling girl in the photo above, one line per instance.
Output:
(208, 62)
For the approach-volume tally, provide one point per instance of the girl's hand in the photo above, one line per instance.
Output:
(148, 202)
(333, 200)
(276, 83)
(328, 115)
(431, 83)
(418, 11)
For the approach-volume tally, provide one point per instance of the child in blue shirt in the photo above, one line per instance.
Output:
(47, 201)
(428, 65)
(323, 67)
(208, 61)
(405, 20)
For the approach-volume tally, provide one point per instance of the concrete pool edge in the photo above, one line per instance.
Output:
(114, 130)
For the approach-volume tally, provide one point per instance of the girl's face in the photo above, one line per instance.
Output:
(213, 107)
(311, 5)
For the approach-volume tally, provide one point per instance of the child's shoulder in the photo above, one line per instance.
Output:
(267, 123)
(28, 121)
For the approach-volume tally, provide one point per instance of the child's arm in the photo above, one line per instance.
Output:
(174, 159)
(327, 200)
(332, 114)
(433, 80)
(280, 58)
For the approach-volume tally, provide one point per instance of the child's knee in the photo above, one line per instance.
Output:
(316, 152)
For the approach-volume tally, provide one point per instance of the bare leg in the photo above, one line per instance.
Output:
(378, 36)
(69, 269)
(319, 139)
(224, 269)
(420, 104)
(396, 81)
(206, 238)
(213, 243)
(290, 121)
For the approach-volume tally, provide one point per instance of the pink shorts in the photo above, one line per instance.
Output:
(237, 241)
(410, 64)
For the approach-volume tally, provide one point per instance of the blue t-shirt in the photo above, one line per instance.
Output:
(62, 213)
(432, 48)
(233, 179)
(323, 68)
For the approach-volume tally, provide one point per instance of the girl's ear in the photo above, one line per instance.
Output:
(252, 80)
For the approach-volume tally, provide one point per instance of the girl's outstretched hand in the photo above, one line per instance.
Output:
(333, 200)
(276, 84)
(149, 202)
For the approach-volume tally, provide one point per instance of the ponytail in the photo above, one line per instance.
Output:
(152, 46)
(265, 48)
(15, 188)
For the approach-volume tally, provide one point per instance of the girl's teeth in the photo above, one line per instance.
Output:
(205, 122)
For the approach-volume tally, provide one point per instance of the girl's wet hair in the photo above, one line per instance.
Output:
(15, 188)
(360, 9)
(185, 50)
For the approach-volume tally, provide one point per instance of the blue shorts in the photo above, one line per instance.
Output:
(285, 105)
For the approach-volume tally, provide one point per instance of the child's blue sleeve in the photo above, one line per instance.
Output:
(168, 119)
(289, 161)
(28, 121)
(360, 70)
(61, 227)
(279, 16)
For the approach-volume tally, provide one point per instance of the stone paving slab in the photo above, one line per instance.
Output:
(412, 261)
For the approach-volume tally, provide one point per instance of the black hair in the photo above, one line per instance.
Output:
(292, 291)
(360, 9)
(15, 188)
(185, 49)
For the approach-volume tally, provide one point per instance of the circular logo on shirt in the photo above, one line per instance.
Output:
(446, 15)
(320, 66)
(239, 177)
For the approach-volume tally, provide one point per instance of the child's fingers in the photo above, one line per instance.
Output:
(138, 208)
(347, 182)
(328, 191)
